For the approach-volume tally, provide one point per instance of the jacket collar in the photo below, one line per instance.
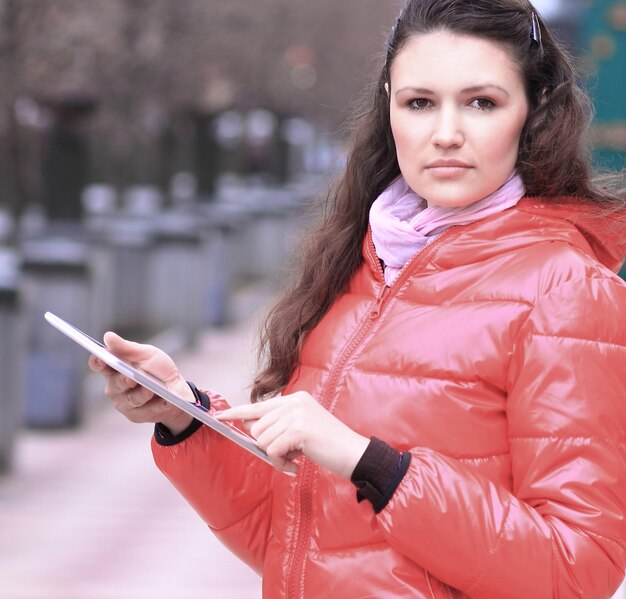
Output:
(579, 223)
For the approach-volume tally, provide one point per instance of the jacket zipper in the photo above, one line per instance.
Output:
(378, 306)
(296, 567)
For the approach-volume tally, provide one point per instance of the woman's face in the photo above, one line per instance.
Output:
(458, 107)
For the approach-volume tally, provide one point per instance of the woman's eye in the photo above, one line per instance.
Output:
(483, 104)
(419, 104)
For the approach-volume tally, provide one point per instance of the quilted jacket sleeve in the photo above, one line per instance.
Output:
(226, 485)
(560, 529)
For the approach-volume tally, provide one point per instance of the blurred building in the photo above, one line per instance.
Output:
(596, 33)
(604, 37)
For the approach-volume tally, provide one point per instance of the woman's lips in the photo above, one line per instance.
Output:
(448, 172)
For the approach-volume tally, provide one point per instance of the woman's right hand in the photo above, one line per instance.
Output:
(137, 403)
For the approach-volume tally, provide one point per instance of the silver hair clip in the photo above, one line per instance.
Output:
(535, 32)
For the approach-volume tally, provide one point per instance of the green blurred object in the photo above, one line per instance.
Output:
(604, 38)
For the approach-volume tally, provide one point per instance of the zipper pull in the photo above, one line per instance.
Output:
(375, 311)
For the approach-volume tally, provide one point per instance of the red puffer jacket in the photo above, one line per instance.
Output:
(498, 358)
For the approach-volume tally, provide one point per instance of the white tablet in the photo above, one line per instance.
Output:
(150, 382)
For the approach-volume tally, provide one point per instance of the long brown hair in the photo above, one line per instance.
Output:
(553, 161)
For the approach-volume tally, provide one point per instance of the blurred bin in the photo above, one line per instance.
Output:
(11, 358)
(125, 253)
(103, 305)
(223, 259)
(55, 277)
(274, 232)
(177, 272)
(274, 220)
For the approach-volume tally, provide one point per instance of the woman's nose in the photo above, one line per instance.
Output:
(447, 130)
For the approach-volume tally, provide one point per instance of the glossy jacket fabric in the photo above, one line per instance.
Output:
(498, 358)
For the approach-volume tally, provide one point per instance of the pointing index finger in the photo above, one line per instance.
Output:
(244, 412)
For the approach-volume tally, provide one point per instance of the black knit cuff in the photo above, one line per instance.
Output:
(379, 473)
(163, 435)
(201, 397)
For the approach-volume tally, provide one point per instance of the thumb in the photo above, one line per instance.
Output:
(128, 350)
(147, 357)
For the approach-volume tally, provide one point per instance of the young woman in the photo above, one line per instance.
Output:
(446, 377)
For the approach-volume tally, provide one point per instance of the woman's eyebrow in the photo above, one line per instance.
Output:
(416, 90)
(474, 89)
(479, 88)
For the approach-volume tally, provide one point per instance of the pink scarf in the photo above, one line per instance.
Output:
(402, 223)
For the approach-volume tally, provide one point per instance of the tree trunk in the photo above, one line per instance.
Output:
(14, 190)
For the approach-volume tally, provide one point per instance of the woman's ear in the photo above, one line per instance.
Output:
(387, 88)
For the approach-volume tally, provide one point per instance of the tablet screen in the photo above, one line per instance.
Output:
(156, 386)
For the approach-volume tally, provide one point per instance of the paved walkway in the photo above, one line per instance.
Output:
(86, 514)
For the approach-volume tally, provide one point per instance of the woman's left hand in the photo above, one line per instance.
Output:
(292, 425)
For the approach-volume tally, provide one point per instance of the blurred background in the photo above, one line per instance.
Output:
(174, 95)
(159, 160)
